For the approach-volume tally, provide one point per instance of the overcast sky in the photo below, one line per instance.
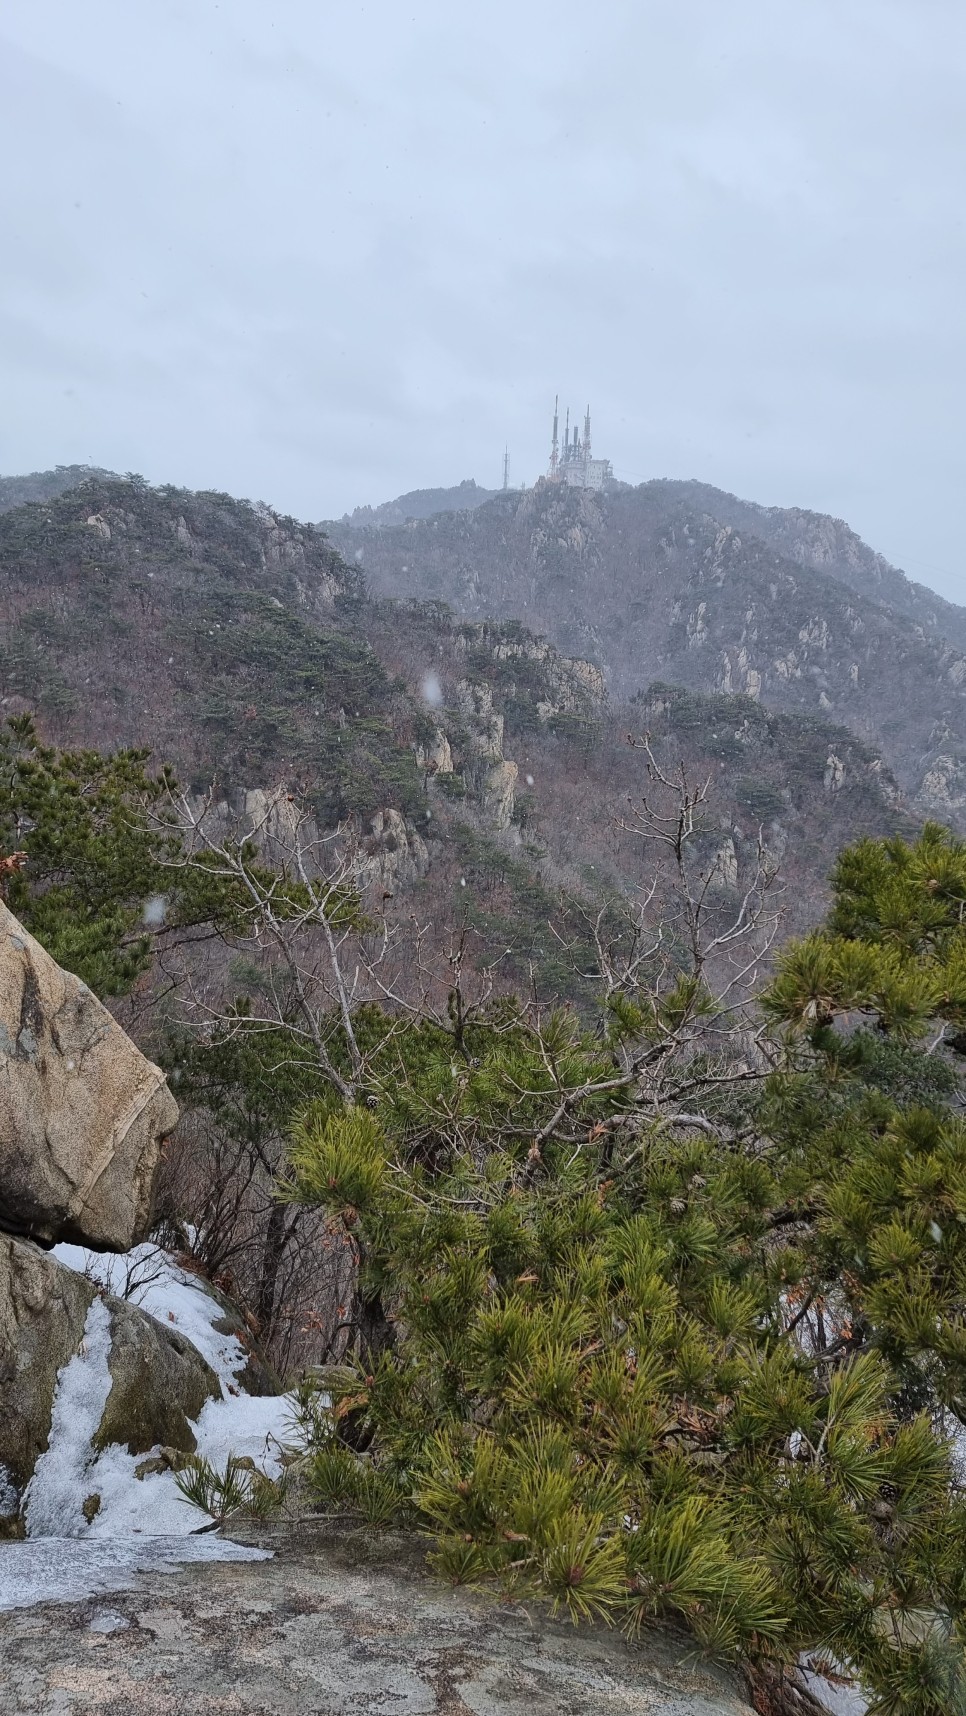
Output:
(321, 253)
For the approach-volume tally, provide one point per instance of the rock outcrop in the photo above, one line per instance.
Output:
(344, 1625)
(491, 777)
(155, 1382)
(82, 1112)
(82, 1373)
(394, 852)
(943, 788)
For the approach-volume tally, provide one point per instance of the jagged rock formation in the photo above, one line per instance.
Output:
(394, 853)
(813, 539)
(435, 755)
(491, 776)
(82, 1113)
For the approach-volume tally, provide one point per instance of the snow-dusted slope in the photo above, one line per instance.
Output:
(140, 1521)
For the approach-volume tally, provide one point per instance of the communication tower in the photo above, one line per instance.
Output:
(574, 464)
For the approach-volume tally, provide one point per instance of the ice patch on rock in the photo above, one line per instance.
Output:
(131, 1523)
(55, 1570)
(837, 1698)
(59, 1487)
(9, 1499)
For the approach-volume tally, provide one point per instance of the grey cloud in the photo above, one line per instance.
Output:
(325, 254)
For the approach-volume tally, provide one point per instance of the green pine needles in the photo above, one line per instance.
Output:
(591, 1395)
(662, 1318)
(700, 1373)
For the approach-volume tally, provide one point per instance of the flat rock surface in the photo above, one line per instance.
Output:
(319, 1631)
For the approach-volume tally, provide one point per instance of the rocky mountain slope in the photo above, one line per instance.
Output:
(485, 770)
(813, 539)
(680, 583)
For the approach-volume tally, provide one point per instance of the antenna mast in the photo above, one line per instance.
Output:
(506, 468)
(554, 470)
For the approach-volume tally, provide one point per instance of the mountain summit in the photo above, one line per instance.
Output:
(679, 582)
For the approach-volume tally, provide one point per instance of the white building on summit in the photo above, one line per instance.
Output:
(572, 463)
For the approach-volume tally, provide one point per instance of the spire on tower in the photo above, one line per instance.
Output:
(553, 472)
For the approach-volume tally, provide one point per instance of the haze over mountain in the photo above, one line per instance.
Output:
(680, 582)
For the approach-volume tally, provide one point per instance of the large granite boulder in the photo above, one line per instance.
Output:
(82, 1112)
(150, 1387)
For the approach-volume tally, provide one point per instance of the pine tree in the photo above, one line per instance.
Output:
(683, 1371)
(84, 859)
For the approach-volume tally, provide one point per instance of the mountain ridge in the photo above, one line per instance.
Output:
(482, 766)
(649, 585)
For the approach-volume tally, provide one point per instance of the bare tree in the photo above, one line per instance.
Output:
(677, 978)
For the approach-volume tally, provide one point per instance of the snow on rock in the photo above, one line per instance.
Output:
(92, 1523)
(9, 1499)
(150, 1278)
(834, 1696)
(48, 1570)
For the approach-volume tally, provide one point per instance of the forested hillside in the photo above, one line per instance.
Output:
(239, 646)
(678, 582)
(569, 1083)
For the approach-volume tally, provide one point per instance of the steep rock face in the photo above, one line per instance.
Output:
(82, 1113)
(394, 852)
(158, 1382)
(498, 793)
(943, 790)
(568, 684)
(813, 539)
(435, 756)
(490, 775)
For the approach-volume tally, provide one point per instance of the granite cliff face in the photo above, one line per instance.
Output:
(675, 582)
(82, 1113)
(813, 539)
